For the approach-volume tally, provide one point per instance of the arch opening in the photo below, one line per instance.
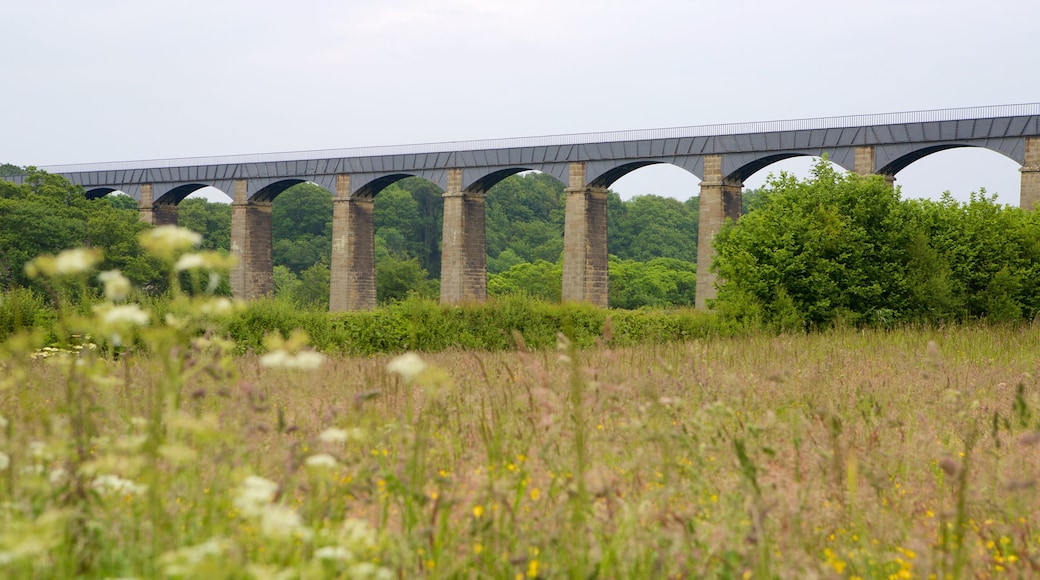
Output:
(959, 169)
(177, 194)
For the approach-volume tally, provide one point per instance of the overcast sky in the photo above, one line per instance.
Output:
(110, 80)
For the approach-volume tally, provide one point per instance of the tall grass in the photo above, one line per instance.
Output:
(849, 453)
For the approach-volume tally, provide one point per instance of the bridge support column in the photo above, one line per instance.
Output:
(353, 277)
(585, 275)
(464, 261)
(1029, 195)
(720, 199)
(150, 213)
(863, 164)
(251, 245)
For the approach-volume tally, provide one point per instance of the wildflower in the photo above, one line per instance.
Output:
(478, 511)
(3, 422)
(117, 286)
(190, 262)
(321, 460)
(67, 263)
(357, 534)
(281, 522)
(183, 561)
(306, 360)
(333, 553)
(167, 241)
(254, 493)
(408, 366)
(116, 484)
(124, 315)
(216, 307)
(333, 435)
(5, 460)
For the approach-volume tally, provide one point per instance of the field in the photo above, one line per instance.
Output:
(871, 454)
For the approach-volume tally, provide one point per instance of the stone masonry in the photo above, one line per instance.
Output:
(720, 199)
(863, 164)
(353, 276)
(251, 242)
(585, 276)
(1030, 192)
(152, 213)
(464, 258)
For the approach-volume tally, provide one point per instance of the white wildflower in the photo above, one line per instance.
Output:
(333, 435)
(190, 262)
(117, 286)
(116, 484)
(3, 422)
(278, 521)
(306, 360)
(38, 450)
(183, 561)
(56, 476)
(365, 570)
(123, 315)
(321, 460)
(5, 461)
(333, 553)
(408, 365)
(253, 494)
(69, 262)
(167, 241)
(75, 261)
(357, 534)
(216, 307)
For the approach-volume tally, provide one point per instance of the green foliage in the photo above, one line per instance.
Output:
(834, 244)
(661, 282)
(212, 220)
(542, 280)
(420, 324)
(47, 214)
(7, 170)
(525, 214)
(847, 249)
(301, 225)
(650, 226)
(396, 279)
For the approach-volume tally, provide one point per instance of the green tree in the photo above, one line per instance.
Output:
(540, 279)
(661, 282)
(121, 201)
(7, 170)
(212, 220)
(651, 226)
(301, 224)
(833, 246)
(47, 214)
(396, 279)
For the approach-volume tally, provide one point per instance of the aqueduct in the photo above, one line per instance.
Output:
(722, 156)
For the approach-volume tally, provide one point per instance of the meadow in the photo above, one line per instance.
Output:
(901, 453)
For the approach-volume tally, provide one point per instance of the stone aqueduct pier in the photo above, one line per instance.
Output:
(722, 156)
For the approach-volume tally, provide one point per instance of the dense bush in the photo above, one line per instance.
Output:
(846, 249)
(417, 324)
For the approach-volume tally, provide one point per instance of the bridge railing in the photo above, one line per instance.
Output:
(1019, 110)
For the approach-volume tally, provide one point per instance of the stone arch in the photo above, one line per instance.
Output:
(486, 182)
(902, 161)
(930, 171)
(99, 192)
(177, 194)
(747, 170)
(372, 188)
(605, 173)
(270, 191)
